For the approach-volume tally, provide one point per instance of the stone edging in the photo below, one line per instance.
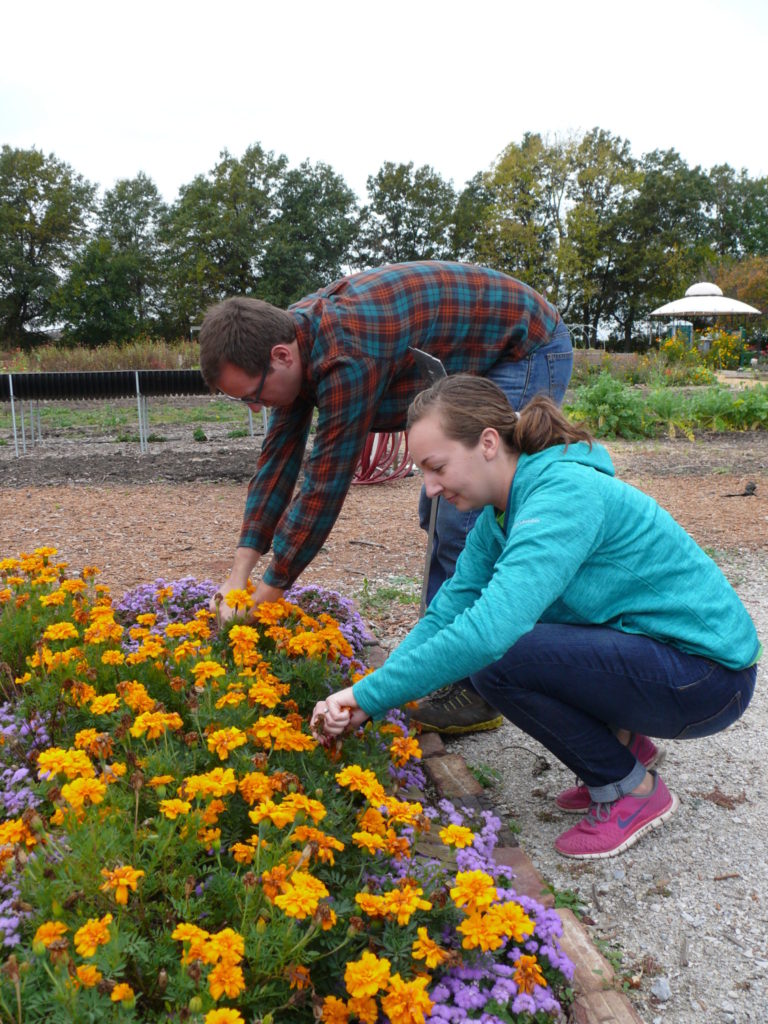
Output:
(597, 1000)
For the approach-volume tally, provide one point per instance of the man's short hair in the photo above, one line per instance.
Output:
(242, 331)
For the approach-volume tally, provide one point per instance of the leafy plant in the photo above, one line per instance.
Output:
(610, 408)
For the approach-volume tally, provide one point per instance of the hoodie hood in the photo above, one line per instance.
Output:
(532, 470)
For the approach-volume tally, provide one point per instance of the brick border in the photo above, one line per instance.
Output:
(597, 1001)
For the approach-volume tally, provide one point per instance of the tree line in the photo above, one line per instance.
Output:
(606, 235)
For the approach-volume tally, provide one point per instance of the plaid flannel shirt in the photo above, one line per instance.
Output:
(353, 339)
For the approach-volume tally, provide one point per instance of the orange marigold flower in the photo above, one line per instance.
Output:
(368, 841)
(481, 930)
(222, 741)
(406, 1002)
(528, 974)
(88, 975)
(112, 658)
(122, 993)
(80, 791)
(206, 671)
(121, 879)
(300, 895)
(403, 748)
(94, 933)
(155, 723)
(60, 631)
(362, 780)
(50, 931)
(171, 809)
(226, 979)
(424, 948)
(366, 976)
(334, 1011)
(298, 976)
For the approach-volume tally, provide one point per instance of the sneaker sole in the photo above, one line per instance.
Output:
(644, 830)
(457, 730)
(661, 753)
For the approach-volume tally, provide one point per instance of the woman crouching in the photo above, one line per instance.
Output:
(579, 609)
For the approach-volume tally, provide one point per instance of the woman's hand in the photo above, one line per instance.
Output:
(337, 714)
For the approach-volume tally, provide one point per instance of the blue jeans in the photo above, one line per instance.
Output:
(547, 371)
(570, 687)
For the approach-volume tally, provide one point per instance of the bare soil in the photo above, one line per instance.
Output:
(176, 510)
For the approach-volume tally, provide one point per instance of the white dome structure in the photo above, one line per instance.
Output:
(705, 299)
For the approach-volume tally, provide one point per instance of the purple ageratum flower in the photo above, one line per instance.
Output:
(316, 600)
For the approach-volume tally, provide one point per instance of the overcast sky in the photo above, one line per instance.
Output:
(164, 86)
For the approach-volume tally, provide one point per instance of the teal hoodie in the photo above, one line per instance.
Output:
(575, 546)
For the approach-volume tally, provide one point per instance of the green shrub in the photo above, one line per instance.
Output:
(609, 408)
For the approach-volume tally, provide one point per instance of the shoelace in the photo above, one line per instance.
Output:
(598, 813)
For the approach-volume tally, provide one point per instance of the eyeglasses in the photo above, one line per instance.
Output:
(255, 397)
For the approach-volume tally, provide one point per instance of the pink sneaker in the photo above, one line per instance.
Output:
(610, 828)
(577, 799)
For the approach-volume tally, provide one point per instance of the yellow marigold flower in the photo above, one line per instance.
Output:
(88, 571)
(223, 1016)
(15, 831)
(88, 975)
(403, 902)
(49, 932)
(72, 763)
(81, 693)
(105, 704)
(240, 600)
(222, 741)
(362, 780)
(155, 723)
(266, 693)
(403, 748)
(122, 993)
(366, 976)
(171, 809)
(60, 631)
(528, 974)
(406, 1002)
(370, 904)
(112, 658)
(425, 949)
(205, 671)
(473, 890)
(217, 782)
(334, 1011)
(368, 841)
(457, 835)
(163, 594)
(94, 933)
(208, 836)
(160, 780)
(213, 811)
(73, 586)
(98, 744)
(300, 895)
(513, 920)
(21, 680)
(80, 791)
(230, 699)
(121, 879)
(54, 600)
(174, 630)
(226, 979)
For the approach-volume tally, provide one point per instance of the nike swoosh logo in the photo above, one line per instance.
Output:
(624, 822)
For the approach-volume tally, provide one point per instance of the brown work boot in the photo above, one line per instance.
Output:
(456, 709)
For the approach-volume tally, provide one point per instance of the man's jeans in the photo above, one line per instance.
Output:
(546, 371)
(570, 687)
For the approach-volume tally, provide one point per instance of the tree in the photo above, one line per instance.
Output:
(602, 184)
(409, 216)
(662, 232)
(44, 210)
(523, 223)
(469, 216)
(114, 290)
(311, 236)
(217, 232)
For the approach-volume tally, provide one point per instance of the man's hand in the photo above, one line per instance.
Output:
(337, 714)
(244, 561)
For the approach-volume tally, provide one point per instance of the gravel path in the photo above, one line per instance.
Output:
(687, 907)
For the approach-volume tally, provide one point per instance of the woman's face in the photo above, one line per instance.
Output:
(462, 476)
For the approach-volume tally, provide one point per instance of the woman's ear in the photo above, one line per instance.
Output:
(489, 443)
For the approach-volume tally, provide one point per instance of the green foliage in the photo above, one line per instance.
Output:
(409, 216)
(609, 408)
(487, 776)
(198, 434)
(400, 590)
(44, 206)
